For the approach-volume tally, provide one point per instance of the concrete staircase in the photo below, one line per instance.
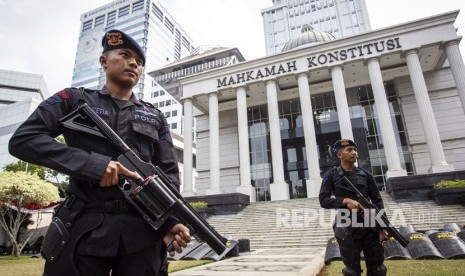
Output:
(300, 223)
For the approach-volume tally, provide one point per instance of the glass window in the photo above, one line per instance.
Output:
(139, 5)
(111, 19)
(403, 139)
(186, 43)
(374, 140)
(100, 20)
(292, 140)
(291, 155)
(260, 154)
(87, 25)
(366, 128)
(398, 123)
(284, 123)
(123, 11)
(158, 13)
(169, 25)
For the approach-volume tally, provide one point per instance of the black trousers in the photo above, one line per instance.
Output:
(148, 262)
(352, 241)
(62, 248)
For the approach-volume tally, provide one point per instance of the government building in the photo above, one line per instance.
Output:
(267, 125)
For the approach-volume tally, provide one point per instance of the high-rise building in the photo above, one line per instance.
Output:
(285, 19)
(20, 94)
(151, 25)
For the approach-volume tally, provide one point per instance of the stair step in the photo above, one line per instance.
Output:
(259, 221)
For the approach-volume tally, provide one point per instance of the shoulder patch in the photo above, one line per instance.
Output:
(63, 94)
(362, 172)
(57, 98)
(325, 177)
(328, 174)
(166, 131)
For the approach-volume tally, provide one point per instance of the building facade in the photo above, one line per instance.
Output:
(268, 124)
(285, 19)
(167, 78)
(151, 25)
(20, 94)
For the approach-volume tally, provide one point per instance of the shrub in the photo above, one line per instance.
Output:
(446, 184)
(199, 204)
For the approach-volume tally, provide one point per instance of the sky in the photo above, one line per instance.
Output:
(40, 36)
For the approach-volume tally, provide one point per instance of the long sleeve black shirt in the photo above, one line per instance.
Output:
(85, 157)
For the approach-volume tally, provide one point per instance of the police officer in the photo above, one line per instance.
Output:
(102, 233)
(351, 234)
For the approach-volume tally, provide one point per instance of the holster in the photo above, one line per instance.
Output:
(63, 234)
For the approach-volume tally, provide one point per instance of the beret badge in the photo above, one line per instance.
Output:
(114, 39)
(344, 142)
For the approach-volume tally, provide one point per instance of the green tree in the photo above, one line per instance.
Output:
(43, 172)
(21, 166)
(19, 190)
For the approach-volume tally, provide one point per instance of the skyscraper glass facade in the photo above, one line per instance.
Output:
(285, 19)
(162, 38)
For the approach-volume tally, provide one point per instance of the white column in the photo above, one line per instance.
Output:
(314, 180)
(385, 120)
(279, 189)
(430, 128)
(188, 182)
(458, 68)
(345, 125)
(244, 159)
(213, 115)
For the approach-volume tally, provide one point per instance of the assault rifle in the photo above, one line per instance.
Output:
(153, 197)
(369, 205)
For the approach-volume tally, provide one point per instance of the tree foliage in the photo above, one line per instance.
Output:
(30, 168)
(20, 191)
(59, 179)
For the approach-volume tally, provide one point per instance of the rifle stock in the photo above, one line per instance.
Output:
(153, 197)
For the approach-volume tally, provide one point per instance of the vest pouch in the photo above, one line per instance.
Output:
(55, 240)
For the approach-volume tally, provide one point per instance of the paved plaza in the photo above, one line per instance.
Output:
(264, 262)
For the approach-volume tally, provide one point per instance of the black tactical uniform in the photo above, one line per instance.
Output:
(115, 228)
(352, 240)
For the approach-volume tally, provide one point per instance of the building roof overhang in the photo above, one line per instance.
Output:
(427, 36)
(217, 52)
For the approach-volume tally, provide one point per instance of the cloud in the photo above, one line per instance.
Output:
(41, 37)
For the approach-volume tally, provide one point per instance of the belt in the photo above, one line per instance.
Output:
(115, 206)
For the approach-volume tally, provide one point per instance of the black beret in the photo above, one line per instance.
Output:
(116, 39)
(342, 144)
